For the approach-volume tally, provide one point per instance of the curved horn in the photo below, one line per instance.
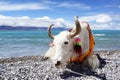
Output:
(78, 28)
(49, 31)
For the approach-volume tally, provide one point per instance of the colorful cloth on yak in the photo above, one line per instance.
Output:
(77, 46)
(90, 50)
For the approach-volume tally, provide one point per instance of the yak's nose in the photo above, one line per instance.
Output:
(58, 64)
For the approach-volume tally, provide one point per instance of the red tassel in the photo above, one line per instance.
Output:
(78, 49)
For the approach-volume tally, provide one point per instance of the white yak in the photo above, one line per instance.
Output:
(63, 48)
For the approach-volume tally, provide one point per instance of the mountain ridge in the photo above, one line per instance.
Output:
(5, 27)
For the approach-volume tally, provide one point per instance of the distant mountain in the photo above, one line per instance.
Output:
(4, 27)
(17, 28)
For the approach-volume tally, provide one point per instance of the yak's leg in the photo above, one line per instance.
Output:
(92, 62)
(50, 53)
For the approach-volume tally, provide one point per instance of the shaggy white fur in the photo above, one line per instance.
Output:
(62, 52)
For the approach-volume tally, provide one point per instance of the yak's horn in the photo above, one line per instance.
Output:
(49, 31)
(78, 28)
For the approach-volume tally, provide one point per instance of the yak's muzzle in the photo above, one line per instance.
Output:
(58, 64)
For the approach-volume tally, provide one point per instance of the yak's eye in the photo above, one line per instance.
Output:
(65, 42)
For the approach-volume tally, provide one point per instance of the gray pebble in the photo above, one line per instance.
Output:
(34, 68)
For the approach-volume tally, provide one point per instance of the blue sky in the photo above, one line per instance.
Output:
(101, 14)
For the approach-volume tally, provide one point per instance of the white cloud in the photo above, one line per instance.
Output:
(48, 2)
(103, 18)
(116, 17)
(106, 26)
(100, 26)
(111, 6)
(27, 21)
(47, 5)
(103, 21)
(74, 5)
(7, 6)
(45, 18)
(60, 22)
(100, 18)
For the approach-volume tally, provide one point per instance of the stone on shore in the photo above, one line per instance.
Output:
(35, 68)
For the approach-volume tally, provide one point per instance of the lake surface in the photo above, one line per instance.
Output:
(36, 42)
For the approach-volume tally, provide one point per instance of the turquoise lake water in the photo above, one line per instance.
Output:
(36, 42)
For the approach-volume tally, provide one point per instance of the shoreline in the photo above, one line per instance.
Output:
(37, 57)
(34, 67)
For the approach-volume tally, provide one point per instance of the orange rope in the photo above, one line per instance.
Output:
(89, 52)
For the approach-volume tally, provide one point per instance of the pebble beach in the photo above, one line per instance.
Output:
(36, 68)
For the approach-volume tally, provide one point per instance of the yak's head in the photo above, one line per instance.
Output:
(63, 43)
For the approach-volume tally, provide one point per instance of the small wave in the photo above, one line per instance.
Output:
(103, 39)
(99, 34)
(0, 38)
